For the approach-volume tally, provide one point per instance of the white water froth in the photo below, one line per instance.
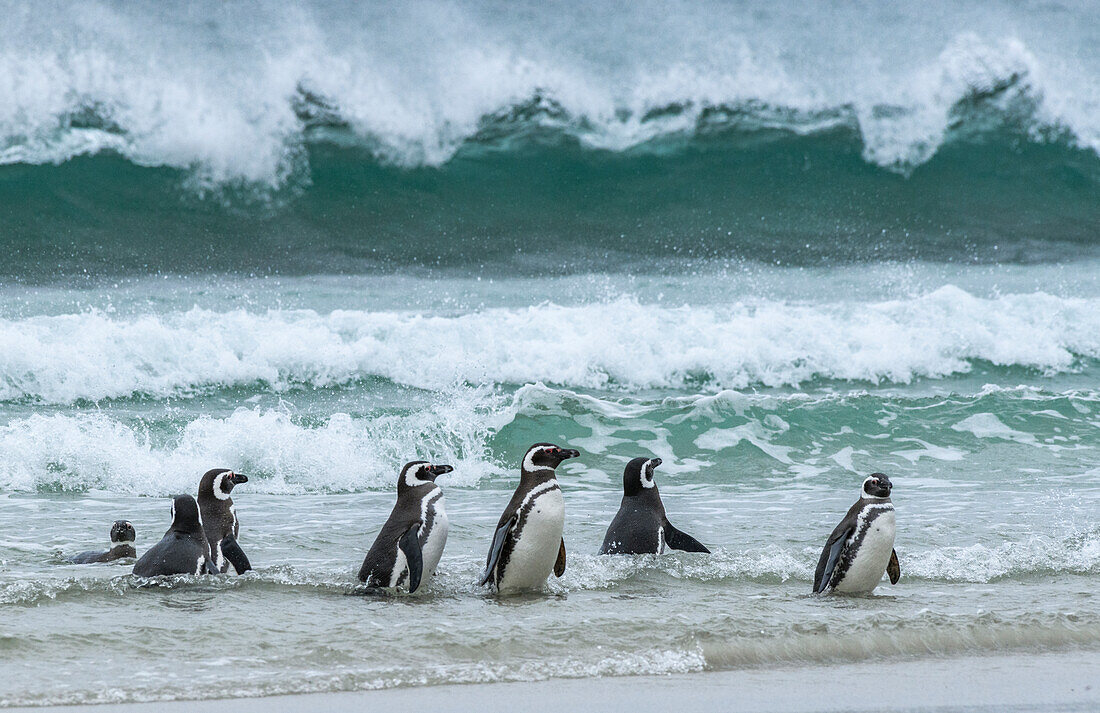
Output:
(213, 88)
(620, 344)
(92, 451)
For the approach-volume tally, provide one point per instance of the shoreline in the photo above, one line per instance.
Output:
(1061, 681)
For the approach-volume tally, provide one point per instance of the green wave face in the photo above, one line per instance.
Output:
(550, 207)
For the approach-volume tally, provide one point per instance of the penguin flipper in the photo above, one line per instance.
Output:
(209, 567)
(894, 568)
(830, 555)
(559, 566)
(410, 545)
(497, 547)
(678, 540)
(233, 552)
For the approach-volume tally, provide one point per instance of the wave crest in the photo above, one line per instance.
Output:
(618, 344)
(416, 88)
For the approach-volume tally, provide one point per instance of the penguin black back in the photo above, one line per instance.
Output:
(641, 526)
(183, 549)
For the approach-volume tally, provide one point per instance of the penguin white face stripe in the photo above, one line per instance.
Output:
(219, 481)
(529, 460)
(646, 476)
(412, 475)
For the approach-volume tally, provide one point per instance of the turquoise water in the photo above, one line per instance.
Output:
(737, 245)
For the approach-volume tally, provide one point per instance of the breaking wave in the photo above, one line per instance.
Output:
(621, 344)
(327, 139)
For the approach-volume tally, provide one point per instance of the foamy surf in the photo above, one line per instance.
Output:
(413, 89)
(618, 344)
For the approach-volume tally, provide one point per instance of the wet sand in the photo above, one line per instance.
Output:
(1066, 681)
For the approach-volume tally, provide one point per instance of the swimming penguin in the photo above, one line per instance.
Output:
(122, 545)
(408, 548)
(861, 547)
(184, 549)
(219, 518)
(528, 542)
(641, 526)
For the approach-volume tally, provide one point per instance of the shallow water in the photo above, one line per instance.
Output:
(994, 468)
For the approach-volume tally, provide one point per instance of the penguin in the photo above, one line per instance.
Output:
(122, 545)
(528, 542)
(641, 527)
(219, 518)
(861, 548)
(183, 549)
(408, 548)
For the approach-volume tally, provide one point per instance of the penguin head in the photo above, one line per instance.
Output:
(122, 533)
(420, 472)
(185, 514)
(638, 475)
(219, 483)
(877, 485)
(546, 456)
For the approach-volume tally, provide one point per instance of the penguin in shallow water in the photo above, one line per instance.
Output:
(528, 544)
(219, 518)
(641, 527)
(861, 548)
(407, 550)
(123, 536)
(183, 549)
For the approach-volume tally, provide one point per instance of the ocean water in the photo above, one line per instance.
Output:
(777, 246)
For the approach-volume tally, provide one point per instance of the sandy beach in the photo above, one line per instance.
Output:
(1064, 682)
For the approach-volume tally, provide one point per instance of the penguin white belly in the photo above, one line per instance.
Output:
(432, 547)
(536, 545)
(866, 569)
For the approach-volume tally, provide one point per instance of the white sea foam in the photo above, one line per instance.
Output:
(1079, 553)
(96, 452)
(413, 84)
(617, 344)
(986, 425)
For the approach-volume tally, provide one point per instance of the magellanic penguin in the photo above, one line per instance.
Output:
(219, 518)
(122, 546)
(407, 550)
(861, 547)
(528, 542)
(641, 527)
(184, 549)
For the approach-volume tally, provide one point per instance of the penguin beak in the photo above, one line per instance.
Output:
(440, 469)
(238, 478)
(565, 453)
(656, 462)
